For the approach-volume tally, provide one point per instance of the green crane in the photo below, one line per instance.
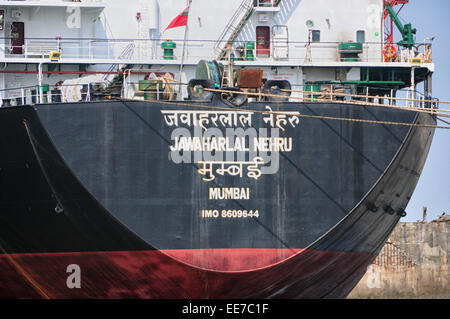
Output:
(406, 30)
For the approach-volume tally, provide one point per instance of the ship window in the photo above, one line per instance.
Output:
(315, 36)
(361, 36)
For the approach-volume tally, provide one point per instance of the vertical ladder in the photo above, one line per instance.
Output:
(227, 77)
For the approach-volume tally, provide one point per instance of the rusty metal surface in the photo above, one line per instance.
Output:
(250, 79)
(393, 256)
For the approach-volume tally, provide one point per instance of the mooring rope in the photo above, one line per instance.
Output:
(403, 108)
(224, 108)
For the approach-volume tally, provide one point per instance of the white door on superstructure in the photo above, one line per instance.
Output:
(280, 39)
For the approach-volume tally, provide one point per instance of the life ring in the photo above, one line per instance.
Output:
(389, 52)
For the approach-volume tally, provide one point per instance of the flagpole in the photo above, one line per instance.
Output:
(184, 49)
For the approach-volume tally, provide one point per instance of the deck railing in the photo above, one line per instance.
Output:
(68, 93)
(150, 50)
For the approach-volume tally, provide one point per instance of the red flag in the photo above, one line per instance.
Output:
(180, 20)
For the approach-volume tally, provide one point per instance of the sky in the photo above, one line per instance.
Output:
(431, 18)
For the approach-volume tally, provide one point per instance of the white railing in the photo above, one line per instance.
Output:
(265, 3)
(39, 48)
(149, 50)
(85, 92)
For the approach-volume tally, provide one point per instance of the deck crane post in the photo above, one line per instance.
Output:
(406, 30)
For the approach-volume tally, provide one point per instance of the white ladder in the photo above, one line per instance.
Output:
(227, 76)
(233, 27)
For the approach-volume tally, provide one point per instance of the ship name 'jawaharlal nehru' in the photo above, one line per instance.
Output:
(226, 144)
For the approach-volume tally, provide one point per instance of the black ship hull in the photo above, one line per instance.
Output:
(200, 200)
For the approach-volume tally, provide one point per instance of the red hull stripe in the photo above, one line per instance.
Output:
(231, 259)
(154, 274)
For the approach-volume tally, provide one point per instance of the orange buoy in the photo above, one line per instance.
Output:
(389, 52)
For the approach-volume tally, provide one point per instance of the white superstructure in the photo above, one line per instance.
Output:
(295, 40)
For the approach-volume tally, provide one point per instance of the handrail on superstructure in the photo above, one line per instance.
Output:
(241, 14)
(126, 54)
(111, 49)
(266, 3)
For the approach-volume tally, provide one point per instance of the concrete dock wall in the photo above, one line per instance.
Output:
(412, 264)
